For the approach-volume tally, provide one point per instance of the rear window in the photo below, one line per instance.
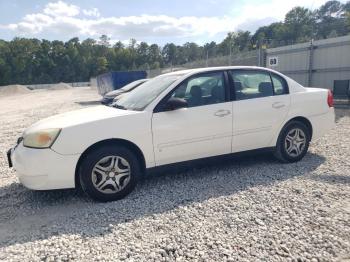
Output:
(279, 85)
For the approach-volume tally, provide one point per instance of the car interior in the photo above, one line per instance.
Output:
(202, 91)
(210, 89)
(252, 85)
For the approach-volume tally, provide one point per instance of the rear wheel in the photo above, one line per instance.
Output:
(293, 142)
(109, 173)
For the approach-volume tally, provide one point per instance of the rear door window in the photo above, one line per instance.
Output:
(249, 84)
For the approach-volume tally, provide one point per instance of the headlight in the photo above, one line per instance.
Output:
(41, 139)
(118, 97)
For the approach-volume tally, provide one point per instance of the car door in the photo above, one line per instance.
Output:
(261, 105)
(202, 129)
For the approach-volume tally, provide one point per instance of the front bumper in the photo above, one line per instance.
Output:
(43, 169)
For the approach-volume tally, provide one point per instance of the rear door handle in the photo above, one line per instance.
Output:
(278, 105)
(222, 113)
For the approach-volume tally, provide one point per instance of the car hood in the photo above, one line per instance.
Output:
(116, 98)
(78, 117)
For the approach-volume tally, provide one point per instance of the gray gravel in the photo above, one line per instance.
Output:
(235, 209)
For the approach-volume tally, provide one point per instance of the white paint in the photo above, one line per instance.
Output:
(170, 137)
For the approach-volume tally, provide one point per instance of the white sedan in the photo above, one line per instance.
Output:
(172, 118)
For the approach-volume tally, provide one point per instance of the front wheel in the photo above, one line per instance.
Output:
(293, 142)
(109, 173)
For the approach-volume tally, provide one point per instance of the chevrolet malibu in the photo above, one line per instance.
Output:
(175, 117)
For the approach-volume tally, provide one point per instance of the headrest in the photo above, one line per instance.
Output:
(196, 91)
(238, 85)
(265, 88)
(217, 92)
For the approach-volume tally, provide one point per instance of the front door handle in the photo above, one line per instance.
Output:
(278, 105)
(222, 113)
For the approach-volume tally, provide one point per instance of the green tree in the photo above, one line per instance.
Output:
(5, 69)
(118, 45)
(210, 50)
(104, 41)
(155, 56)
(30, 61)
(142, 55)
(330, 20)
(242, 40)
(132, 53)
(300, 24)
(227, 45)
(101, 65)
(169, 53)
(190, 52)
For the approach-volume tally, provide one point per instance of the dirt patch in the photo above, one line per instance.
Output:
(13, 90)
(60, 86)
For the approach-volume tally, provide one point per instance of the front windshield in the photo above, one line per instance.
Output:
(131, 85)
(142, 96)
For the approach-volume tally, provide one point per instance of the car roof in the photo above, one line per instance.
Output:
(141, 80)
(208, 69)
(189, 72)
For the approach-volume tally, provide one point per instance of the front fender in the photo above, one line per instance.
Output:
(135, 128)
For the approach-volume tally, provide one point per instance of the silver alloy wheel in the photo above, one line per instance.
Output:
(295, 142)
(111, 174)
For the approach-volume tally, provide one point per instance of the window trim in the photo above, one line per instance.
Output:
(233, 88)
(160, 106)
(284, 82)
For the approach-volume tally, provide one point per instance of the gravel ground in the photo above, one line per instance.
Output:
(235, 209)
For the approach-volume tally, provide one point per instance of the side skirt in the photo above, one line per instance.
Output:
(208, 161)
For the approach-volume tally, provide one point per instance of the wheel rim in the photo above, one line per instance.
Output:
(295, 142)
(111, 174)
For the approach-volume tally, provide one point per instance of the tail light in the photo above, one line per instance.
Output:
(330, 99)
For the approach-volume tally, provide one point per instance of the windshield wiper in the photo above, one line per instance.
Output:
(119, 106)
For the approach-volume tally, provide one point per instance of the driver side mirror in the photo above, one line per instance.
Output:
(175, 103)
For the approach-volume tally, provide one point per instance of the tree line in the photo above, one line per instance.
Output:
(34, 61)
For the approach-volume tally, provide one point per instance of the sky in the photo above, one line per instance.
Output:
(152, 21)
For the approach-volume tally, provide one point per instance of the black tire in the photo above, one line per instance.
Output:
(89, 162)
(281, 152)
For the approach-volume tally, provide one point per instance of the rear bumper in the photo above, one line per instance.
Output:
(322, 124)
(43, 169)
